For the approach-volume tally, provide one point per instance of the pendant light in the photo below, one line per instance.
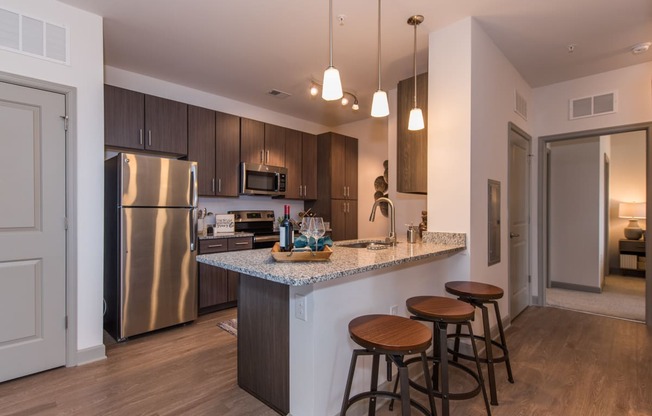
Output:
(379, 105)
(416, 115)
(332, 85)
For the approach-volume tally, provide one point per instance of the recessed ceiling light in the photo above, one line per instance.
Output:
(641, 47)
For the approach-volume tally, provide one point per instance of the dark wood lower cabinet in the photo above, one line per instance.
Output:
(264, 341)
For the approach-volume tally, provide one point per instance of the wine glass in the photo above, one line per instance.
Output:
(318, 230)
(306, 229)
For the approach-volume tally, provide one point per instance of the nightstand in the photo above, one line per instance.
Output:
(632, 257)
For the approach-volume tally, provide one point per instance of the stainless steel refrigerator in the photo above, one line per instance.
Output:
(150, 272)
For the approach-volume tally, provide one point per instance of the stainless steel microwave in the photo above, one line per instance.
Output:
(262, 179)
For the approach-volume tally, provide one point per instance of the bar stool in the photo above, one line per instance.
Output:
(395, 337)
(442, 311)
(479, 294)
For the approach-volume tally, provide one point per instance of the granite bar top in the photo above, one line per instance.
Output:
(225, 235)
(344, 261)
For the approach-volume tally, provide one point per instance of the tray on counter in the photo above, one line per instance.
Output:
(296, 256)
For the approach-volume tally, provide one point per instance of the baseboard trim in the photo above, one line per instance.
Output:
(92, 354)
(572, 286)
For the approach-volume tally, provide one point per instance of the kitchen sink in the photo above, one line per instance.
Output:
(369, 245)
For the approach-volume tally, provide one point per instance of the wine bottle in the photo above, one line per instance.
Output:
(286, 230)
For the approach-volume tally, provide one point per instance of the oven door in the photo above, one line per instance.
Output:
(266, 240)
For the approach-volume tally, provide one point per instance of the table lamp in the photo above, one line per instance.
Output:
(633, 211)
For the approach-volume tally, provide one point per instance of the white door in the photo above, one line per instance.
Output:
(32, 231)
(518, 206)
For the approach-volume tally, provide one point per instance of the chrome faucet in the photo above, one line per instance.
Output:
(392, 224)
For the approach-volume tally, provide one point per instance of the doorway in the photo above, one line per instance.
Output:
(563, 251)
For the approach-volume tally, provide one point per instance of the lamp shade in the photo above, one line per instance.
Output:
(632, 210)
(332, 89)
(416, 120)
(380, 105)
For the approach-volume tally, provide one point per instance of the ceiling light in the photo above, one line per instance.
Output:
(314, 90)
(641, 47)
(332, 89)
(379, 105)
(345, 101)
(416, 115)
(355, 106)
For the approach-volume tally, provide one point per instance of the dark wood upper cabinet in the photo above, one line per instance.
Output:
(124, 118)
(252, 141)
(293, 149)
(139, 121)
(412, 146)
(201, 147)
(227, 156)
(275, 145)
(309, 165)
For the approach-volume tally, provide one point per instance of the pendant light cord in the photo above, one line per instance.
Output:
(379, 45)
(415, 65)
(330, 31)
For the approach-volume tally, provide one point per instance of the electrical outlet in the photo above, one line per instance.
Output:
(393, 310)
(300, 307)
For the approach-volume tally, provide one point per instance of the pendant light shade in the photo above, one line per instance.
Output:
(332, 89)
(416, 115)
(416, 119)
(332, 85)
(379, 105)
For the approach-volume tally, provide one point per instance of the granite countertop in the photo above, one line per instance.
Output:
(343, 262)
(225, 235)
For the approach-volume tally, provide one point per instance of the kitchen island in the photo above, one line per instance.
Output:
(293, 343)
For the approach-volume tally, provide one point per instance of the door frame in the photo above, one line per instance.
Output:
(512, 127)
(70, 94)
(543, 201)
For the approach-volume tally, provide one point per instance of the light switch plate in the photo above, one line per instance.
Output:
(300, 307)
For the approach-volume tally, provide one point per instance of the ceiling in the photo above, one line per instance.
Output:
(242, 49)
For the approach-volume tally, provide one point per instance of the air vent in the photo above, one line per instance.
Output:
(520, 105)
(596, 105)
(33, 37)
(279, 94)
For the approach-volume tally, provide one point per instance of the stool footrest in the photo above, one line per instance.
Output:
(451, 396)
(499, 359)
(383, 393)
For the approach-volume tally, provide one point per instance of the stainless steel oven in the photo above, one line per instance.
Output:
(260, 223)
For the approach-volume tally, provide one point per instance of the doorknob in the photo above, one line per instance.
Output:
(512, 235)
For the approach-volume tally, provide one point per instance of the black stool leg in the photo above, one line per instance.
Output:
(426, 377)
(458, 332)
(479, 368)
(443, 366)
(489, 353)
(436, 353)
(349, 381)
(503, 342)
(374, 384)
(404, 377)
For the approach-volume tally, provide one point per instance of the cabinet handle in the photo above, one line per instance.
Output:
(262, 157)
(300, 190)
(213, 185)
(219, 185)
(267, 157)
(215, 245)
(243, 243)
(344, 191)
(305, 190)
(149, 137)
(140, 136)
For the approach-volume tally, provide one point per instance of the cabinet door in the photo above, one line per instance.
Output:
(309, 165)
(201, 147)
(275, 145)
(337, 168)
(233, 282)
(351, 230)
(124, 118)
(227, 157)
(252, 141)
(166, 124)
(338, 219)
(294, 185)
(351, 168)
(213, 285)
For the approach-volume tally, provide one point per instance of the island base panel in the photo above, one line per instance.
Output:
(263, 341)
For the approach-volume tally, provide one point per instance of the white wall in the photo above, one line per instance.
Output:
(85, 74)
(574, 213)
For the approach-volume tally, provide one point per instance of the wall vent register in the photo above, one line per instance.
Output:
(596, 105)
(34, 37)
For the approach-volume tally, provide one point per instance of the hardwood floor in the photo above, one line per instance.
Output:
(564, 362)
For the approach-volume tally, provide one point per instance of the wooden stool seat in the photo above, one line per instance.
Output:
(395, 337)
(474, 289)
(389, 334)
(478, 295)
(438, 308)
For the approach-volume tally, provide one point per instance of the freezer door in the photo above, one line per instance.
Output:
(148, 181)
(158, 269)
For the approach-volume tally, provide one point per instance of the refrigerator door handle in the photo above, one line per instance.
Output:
(193, 185)
(193, 228)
